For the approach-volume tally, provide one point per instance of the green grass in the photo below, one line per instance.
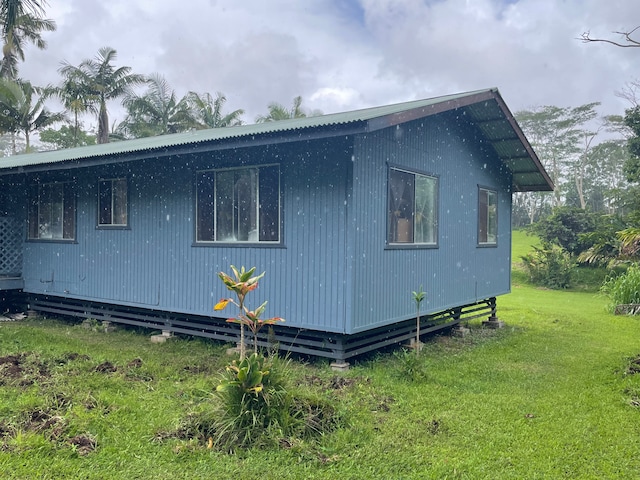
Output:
(550, 396)
(521, 243)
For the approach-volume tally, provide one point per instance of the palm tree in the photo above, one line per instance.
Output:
(10, 10)
(21, 21)
(157, 111)
(208, 113)
(22, 109)
(78, 99)
(102, 82)
(630, 242)
(279, 112)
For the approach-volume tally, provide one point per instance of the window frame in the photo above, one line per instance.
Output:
(213, 212)
(436, 209)
(484, 217)
(113, 226)
(36, 206)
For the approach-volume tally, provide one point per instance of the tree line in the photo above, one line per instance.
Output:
(87, 88)
(593, 216)
(590, 158)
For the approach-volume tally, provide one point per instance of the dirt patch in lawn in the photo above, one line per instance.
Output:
(22, 369)
(336, 382)
(83, 444)
(634, 366)
(106, 367)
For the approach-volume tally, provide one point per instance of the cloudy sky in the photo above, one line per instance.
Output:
(346, 54)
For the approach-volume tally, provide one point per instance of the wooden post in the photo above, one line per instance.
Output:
(493, 321)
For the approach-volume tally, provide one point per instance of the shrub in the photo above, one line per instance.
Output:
(257, 406)
(253, 401)
(623, 289)
(549, 266)
(565, 226)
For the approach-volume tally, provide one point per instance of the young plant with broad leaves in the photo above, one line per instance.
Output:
(418, 297)
(241, 283)
(253, 398)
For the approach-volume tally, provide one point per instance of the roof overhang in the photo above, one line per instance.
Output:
(484, 108)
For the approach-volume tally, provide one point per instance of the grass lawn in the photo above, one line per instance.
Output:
(550, 396)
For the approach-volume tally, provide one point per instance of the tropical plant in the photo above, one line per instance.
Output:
(418, 297)
(208, 111)
(623, 289)
(243, 282)
(11, 10)
(549, 266)
(279, 112)
(102, 82)
(630, 242)
(157, 111)
(254, 403)
(603, 243)
(77, 98)
(22, 109)
(21, 21)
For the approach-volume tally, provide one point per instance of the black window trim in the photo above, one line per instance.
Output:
(105, 226)
(480, 244)
(74, 195)
(412, 246)
(238, 244)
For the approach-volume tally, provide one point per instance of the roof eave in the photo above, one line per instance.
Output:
(399, 118)
(547, 184)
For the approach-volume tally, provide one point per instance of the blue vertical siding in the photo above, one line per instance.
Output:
(155, 264)
(332, 271)
(457, 271)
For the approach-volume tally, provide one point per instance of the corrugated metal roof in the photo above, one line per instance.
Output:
(485, 108)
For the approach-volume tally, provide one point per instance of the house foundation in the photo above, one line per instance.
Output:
(336, 346)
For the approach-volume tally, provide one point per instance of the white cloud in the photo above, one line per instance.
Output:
(341, 55)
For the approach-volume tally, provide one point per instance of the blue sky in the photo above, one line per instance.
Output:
(342, 55)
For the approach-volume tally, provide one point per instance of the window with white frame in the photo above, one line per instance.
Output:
(52, 211)
(113, 202)
(412, 208)
(487, 216)
(238, 205)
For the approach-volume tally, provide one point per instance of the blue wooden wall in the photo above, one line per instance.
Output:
(155, 264)
(332, 272)
(455, 273)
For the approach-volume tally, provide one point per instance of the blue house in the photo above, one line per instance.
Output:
(346, 213)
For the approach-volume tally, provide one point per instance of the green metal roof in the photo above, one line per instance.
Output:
(485, 108)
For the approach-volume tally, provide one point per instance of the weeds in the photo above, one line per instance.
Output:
(411, 367)
(623, 289)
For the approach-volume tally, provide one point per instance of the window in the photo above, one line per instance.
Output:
(413, 217)
(238, 205)
(112, 202)
(487, 216)
(52, 211)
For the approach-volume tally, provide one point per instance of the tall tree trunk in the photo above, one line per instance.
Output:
(75, 127)
(103, 124)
